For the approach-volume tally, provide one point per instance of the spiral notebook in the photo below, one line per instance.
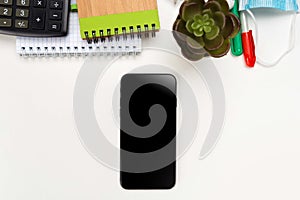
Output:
(117, 17)
(73, 45)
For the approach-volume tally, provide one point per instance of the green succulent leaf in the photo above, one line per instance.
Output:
(215, 30)
(198, 32)
(208, 12)
(195, 45)
(205, 17)
(198, 17)
(221, 51)
(207, 29)
(189, 26)
(232, 26)
(209, 22)
(195, 25)
(180, 26)
(224, 5)
(236, 25)
(220, 19)
(214, 44)
(189, 10)
(214, 6)
(200, 40)
(228, 29)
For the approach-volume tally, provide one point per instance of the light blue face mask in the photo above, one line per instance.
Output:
(284, 5)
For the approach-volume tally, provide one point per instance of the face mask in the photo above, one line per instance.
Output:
(284, 5)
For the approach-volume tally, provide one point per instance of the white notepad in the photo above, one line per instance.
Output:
(73, 45)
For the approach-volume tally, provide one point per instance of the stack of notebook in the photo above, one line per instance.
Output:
(100, 28)
(73, 45)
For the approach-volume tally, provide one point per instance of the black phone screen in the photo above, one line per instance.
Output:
(148, 124)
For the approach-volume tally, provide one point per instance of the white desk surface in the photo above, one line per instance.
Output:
(258, 156)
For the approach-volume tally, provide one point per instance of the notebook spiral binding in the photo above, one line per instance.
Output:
(109, 47)
(92, 37)
(79, 52)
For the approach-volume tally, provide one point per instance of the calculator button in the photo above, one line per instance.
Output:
(52, 26)
(39, 3)
(55, 15)
(5, 22)
(38, 19)
(5, 11)
(23, 24)
(6, 2)
(56, 4)
(23, 3)
(22, 13)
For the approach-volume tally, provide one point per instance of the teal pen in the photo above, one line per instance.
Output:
(236, 42)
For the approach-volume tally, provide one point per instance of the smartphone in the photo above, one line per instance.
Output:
(143, 132)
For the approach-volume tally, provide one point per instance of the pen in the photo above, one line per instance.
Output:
(248, 42)
(236, 42)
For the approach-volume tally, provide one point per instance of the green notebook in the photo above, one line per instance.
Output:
(101, 18)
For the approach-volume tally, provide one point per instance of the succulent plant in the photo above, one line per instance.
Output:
(205, 28)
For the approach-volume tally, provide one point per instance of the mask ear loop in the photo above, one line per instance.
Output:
(291, 42)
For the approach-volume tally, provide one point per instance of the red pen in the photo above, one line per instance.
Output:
(248, 42)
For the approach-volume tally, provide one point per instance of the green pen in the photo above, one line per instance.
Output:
(236, 42)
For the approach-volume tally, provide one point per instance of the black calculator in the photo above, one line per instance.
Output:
(38, 18)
